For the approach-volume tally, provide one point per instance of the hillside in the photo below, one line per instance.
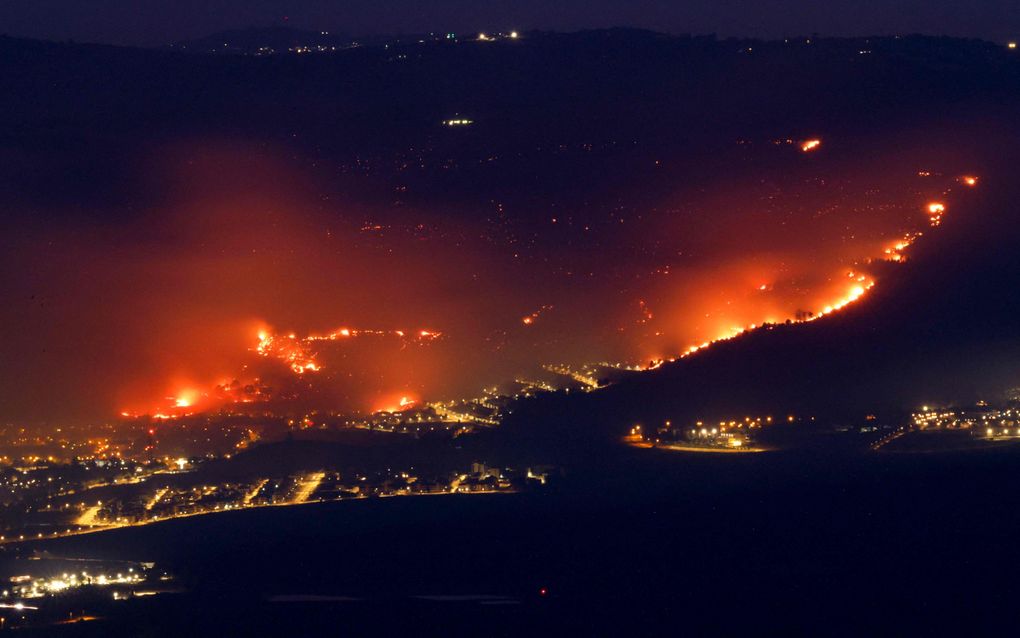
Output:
(945, 326)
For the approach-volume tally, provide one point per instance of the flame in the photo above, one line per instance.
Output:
(291, 350)
(297, 352)
(862, 284)
(758, 294)
(399, 403)
(533, 317)
(935, 212)
(895, 251)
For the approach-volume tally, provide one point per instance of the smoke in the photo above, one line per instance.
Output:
(151, 307)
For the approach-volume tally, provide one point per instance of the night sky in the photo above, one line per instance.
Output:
(157, 22)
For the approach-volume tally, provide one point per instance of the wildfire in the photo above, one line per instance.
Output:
(291, 350)
(397, 404)
(855, 292)
(297, 352)
(895, 252)
(860, 286)
(533, 317)
(752, 289)
(182, 403)
(421, 335)
(935, 212)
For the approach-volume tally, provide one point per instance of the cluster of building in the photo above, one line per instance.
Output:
(462, 416)
(58, 481)
(42, 591)
(150, 505)
(69, 500)
(27, 446)
(981, 419)
(26, 587)
(274, 42)
(54, 499)
(726, 434)
(139, 438)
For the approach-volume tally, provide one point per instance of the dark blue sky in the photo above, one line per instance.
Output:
(157, 22)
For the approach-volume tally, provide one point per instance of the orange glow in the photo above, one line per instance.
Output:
(853, 294)
(398, 403)
(292, 351)
(533, 317)
(297, 352)
(935, 212)
(724, 288)
(970, 180)
(895, 251)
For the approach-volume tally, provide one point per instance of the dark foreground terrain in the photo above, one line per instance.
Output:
(788, 543)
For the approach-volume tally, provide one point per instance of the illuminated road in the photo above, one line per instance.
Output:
(460, 417)
(250, 496)
(155, 498)
(889, 438)
(88, 517)
(588, 381)
(700, 449)
(535, 385)
(307, 487)
(98, 528)
(455, 483)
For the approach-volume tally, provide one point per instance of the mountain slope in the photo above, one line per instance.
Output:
(943, 326)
